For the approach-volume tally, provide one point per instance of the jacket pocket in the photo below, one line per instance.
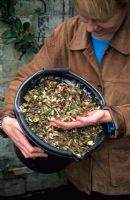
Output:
(119, 162)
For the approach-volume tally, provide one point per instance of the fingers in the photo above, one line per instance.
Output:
(37, 152)
(26, 148)
(30, 151)
(67, 125)
(27, 154)
(88, 120)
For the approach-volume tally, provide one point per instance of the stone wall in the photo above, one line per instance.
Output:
(44, 16)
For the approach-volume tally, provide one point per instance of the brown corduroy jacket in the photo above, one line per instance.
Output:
(107, 170)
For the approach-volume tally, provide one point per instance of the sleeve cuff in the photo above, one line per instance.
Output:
(118, 119)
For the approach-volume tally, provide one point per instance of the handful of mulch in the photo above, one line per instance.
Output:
(53, 99)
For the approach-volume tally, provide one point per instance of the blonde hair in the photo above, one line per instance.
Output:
(101, 9)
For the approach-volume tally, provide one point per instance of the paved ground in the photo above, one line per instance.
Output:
(61, 193)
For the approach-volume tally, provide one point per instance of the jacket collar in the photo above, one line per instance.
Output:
(122, 37)
(80, 40)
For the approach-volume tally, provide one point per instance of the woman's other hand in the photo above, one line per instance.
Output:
(11, 127)
(92, 117)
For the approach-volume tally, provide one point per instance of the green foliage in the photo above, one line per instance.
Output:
(19, 33)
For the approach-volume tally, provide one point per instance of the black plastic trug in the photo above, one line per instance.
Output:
(62, 75)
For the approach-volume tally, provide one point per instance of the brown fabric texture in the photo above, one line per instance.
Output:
(106, 170)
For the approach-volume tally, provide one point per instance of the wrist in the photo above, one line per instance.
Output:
(2, 119)
(2, 133)
(107, 116)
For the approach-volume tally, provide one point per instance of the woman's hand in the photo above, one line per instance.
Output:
(11, 127)
(93, 117)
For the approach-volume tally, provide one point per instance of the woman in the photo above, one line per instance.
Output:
(94, 45)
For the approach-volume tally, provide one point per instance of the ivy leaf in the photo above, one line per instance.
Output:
(18, 24)
(19, 38)
(6, 34)
(21, 47)
(26, 26)
(9, 41)
(30, 38)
